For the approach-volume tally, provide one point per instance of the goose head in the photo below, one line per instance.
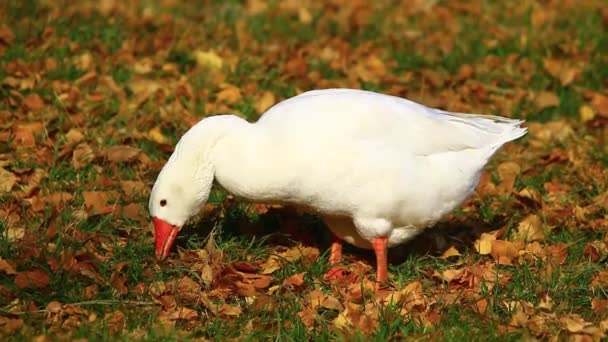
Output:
(183, 185)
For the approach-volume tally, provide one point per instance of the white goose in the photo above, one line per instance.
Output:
(378, 169)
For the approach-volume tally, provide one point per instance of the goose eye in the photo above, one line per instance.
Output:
(163, 202)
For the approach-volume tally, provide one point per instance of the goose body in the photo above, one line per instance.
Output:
(377, 168)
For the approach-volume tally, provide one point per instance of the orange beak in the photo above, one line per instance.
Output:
(164, 234)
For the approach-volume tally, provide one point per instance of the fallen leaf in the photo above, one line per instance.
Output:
(264, 101)
(57, 200)
(546, 99)
(295, 280)
(7, 180)
(33, 102)
(275, 261)
(6, 35)
(450, 252)
(120, 153)
(208, 59)
(28, 279)
(157, 136)
(115, 321)
(97, 202)
(508, 172)
(308, 316)
(530, 229)
(179, 313)
(6, 267)
(559, 70)
(586, 113)
(505, 251)
(599, 102)
(25, 134)
(82, 156)
(134, 189)
(229, 310)
(230, 95)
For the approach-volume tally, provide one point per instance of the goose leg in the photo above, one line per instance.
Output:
(335, 254)
(335, 257)
(380, 246)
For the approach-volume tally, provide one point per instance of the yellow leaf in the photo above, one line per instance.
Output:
(530, 229)
(7, 180)
(157, 136)
(265, 100)
(208, 59)
(586, 113)
(450, 252)
(304, 15)
(484, 247)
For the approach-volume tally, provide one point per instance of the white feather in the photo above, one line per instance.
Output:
(372, 165)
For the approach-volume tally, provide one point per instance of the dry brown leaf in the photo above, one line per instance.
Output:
(264, 101)
(36, 278)
(134, 189)
(97, 202)
(505, 251)
(7, 180)
(73, 136)
(25, 133)
(599, 306)
(229, 310)
(179, 313)
(296, 66)
(56, 200)
(596, 250)
(115, 321)
(508, 172)
(275, 261)
(530, 229)
(33, 102)
(134, 210)
(120, 153)
(82, 156)
(450, 252)
(599, 102)
(6, 35)
(6, 267)
(295, 280)
(559, 70)
(546, 99)
(600, 280)
(230, 95)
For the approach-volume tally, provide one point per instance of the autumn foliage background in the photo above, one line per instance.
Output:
(94, 94)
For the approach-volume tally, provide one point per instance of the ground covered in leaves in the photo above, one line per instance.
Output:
(93, 95)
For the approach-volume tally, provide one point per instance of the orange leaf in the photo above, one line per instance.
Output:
(33, 102)
(36, 278)
(229, 310)
(546, 99)
(6, 267)
(295, 280)
(82, 156)
(505, 251)
(230, 95)
(96, 202)
(7, 180)
(264, 101)
(121, 153)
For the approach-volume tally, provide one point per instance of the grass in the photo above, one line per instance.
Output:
(104, 264)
